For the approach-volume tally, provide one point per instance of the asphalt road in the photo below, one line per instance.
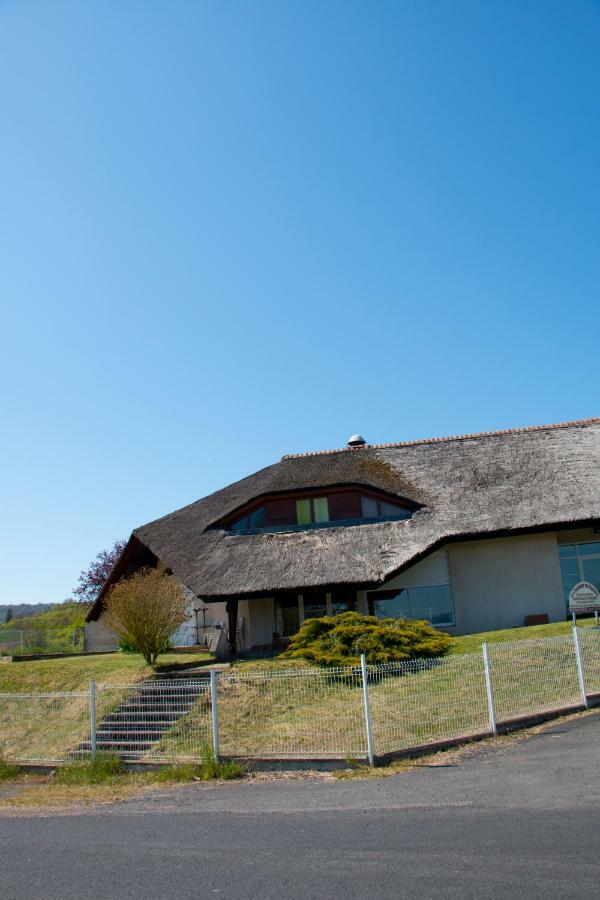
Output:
(519, 822)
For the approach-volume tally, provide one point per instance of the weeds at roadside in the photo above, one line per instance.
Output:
(101, 770)
(7, 771)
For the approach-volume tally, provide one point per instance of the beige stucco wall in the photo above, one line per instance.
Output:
(428, 572)
(498, 581)
(97, 637)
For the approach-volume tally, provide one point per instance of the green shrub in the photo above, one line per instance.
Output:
(340, 640)
(105, 767)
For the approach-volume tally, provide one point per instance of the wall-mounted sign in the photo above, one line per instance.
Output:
(584, 596)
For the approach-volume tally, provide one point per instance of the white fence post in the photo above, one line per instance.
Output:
(365, 686)
(215, 713)
(580, 672)
(489, 687)
(93, 718)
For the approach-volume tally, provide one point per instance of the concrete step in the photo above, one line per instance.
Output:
(165, 717)
(157, 727)
(128, 747)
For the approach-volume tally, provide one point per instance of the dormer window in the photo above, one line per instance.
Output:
(343, 505)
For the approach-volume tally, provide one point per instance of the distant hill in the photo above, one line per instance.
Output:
(58, 628)
(67, 615)
(23, 609)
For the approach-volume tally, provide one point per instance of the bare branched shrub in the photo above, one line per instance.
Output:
(145, 610)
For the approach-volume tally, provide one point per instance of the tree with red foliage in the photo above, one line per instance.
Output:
(92, 578)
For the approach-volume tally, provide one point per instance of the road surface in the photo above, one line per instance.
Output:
(523, 821)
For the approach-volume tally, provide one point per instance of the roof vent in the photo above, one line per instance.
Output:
(357, 440)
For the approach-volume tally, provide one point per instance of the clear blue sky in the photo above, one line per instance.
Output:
(232, 230)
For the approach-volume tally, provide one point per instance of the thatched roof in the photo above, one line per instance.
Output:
(471, 485)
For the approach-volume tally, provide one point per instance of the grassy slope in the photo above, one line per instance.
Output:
(299, 715)
(46, 727)
(74, 673)
(287, 714)
(469, 643)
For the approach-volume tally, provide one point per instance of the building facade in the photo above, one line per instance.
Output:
(473, 533)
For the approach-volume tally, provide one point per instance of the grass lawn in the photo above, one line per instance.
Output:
(468, 643)
(73, 673)
(44, 727)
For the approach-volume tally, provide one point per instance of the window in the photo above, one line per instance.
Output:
(579, 562)
(341, 505)
(255, 519)
(374, 508)
(342, 601)
(369, 507)
(303, 512)
(315, 605)
(287, 615)
(315, 509)
(433, 603)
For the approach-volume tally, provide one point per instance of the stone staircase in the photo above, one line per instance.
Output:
(145, 716)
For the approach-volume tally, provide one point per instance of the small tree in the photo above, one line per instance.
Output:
(9, 615)
(91, 579)
(145, 610)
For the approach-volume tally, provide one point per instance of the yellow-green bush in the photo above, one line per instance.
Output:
(340, 640)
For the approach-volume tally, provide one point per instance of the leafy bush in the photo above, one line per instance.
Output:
(340, 640)
(145, 610)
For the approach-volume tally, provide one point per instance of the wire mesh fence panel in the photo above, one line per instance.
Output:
(34, 641)
(11, 641)
(155, 720)
(589, 641)
(424, 701)
(297, 713)
(38, 727)
(533, 676)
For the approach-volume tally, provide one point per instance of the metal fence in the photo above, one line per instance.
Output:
(350, 712)
(33, 641)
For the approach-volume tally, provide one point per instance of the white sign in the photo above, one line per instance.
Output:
(584, 596)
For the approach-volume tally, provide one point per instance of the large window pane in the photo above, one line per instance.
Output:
(287, 617)
(257, 518)
(592, 549)
(315, 605)
(343, 601)
(369, 507)
(389, 604)
(303, 512)
(389, 509)
(566, 550)
(240, 525)
(579, 562)
(321, 509)
(431, 603)
(591, 571)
